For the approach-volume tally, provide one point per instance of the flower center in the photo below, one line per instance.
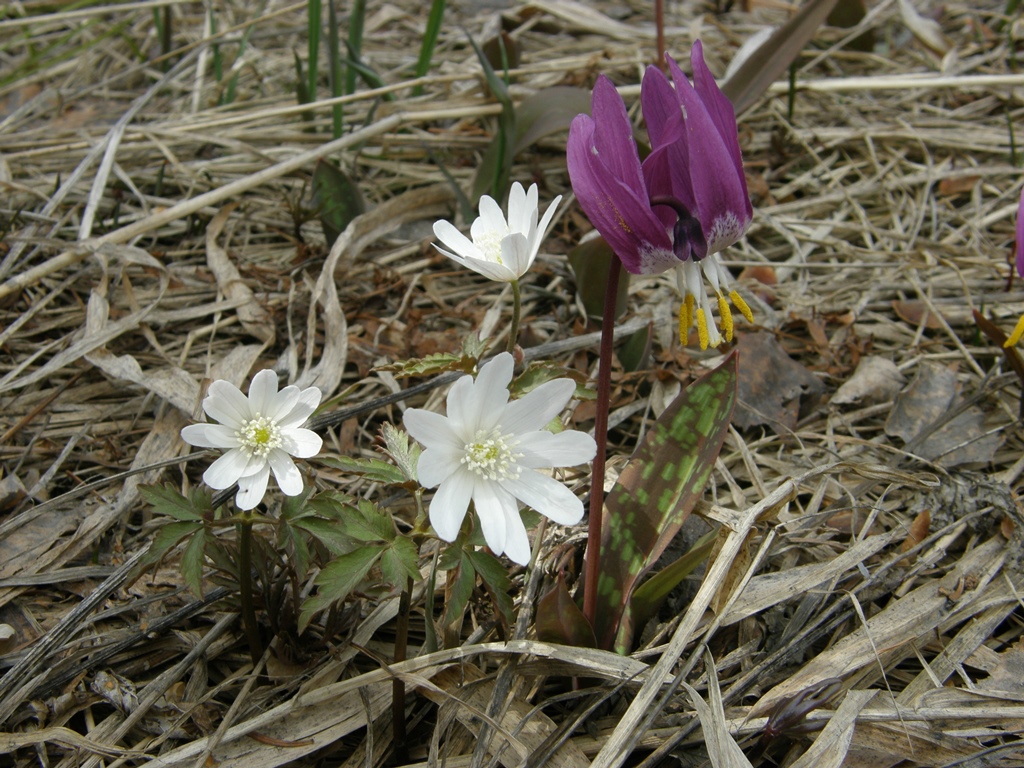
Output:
(259, 435)
(490, 244)
(489, 456)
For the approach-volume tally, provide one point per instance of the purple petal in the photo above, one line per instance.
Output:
(718, 105)
(625, 219)
(660, 106)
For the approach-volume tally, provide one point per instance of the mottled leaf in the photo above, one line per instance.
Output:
(649, 596)
(560, 620)
(657, 490)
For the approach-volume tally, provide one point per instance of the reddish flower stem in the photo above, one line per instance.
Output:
(604, 396)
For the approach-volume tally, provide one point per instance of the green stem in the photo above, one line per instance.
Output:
(517, 305)
(604, 396)
(252, 633)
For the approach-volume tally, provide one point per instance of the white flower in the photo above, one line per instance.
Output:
(500, 250)
(487, 449)
(260, 433)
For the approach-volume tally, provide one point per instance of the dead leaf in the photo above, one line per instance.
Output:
(918, 530)
(958, 185)
(876, 380)
(927, 31)
(922, 402)
(915, 312)
(254, 317)
(771, 384)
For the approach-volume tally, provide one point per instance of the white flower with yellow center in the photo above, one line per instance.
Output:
(501, 249)
(488, 450)
(260, 433)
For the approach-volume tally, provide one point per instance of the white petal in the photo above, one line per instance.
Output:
(210, 436)
(262, 391)
(547, 496)
(285, 472)
(491, 220)
(538, 407)
(564, 449)
(436, 465)
(432, 429)
(282, 403)
(226, 470)
(302, 442)
(519, 208)
(517, 543)
(491, 502)
(308, 401)
(458, 242)
(252, 489)
(455, 403)
(516, 253)
(448, 507)
(485, 405)
(542, 229)
(492, 270)
(225, 403)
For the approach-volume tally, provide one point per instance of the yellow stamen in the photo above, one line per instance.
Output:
(702, 329)
(685, 317)
(741, 305)
(1018, 331)
(726, 313)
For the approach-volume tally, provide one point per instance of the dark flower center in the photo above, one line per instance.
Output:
(688, 239)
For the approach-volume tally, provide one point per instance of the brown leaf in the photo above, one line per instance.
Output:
(918, 530)
(771, 384)
(916, 312)
(958, 185)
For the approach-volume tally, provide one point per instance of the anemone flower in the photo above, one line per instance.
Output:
(685, 203)
(260, 433)
(501, 249)
(488, 450)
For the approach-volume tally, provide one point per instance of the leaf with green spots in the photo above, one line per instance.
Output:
(656, 492)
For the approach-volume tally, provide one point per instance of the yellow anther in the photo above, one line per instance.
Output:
(1018, 331)
(741, 305)
(702, 329)
(686, 317)
(726, 313)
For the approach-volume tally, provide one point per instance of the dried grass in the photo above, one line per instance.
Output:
(153, 240)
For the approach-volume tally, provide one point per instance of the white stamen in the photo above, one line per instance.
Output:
(259, 435)
(491, 457)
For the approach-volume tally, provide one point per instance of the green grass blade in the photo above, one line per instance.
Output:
(356, 22)
(334, 57)
(314, 16)
(429, 41)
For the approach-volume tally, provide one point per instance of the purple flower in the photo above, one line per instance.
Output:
(692, 184)
(1018, 331)
(604, 168)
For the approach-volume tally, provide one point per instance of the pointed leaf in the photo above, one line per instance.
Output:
(460, 587)
(560, 620)
(400, 562)
(166, 500)
(374, 470)
(495, 578)
(167, 538)
(750, 81)
(590, 262)
(336, 198)
(337, 580)
(649, 596)
(192, 562)
(657, 490)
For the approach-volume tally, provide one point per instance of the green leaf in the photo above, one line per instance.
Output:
(430, 33)
(495, 577)
(541, 373)
(560, 620)
(166, 500)
(330, 533)
(400, 562)
(590, 262)
(192, 562)
(649, 596)
(372, 469)
(458, 593)
(336, 198)
(548, 111)
(370, 523)
(167, 538)
(635, 351)
(657, 491)
(440, 362)
(337, 580)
